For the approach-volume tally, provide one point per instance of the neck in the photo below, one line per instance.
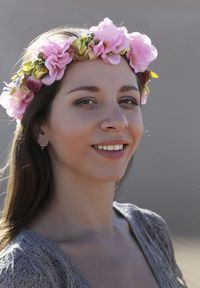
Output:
(81, 207)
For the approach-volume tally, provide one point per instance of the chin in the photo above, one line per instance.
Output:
(111, 177)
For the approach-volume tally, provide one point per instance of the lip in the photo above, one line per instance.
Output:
(113, 142)
(111, 154)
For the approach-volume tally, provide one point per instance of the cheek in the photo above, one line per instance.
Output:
(69, 134)
(136, 123)
(67, 145)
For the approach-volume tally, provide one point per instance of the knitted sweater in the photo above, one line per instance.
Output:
(31, 260)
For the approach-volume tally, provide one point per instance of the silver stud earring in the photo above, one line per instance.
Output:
(42, 146)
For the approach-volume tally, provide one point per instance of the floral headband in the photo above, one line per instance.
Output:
(105, 41)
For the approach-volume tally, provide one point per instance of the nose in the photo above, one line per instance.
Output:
(116, 121)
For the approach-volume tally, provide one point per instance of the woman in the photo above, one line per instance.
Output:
(77, 100)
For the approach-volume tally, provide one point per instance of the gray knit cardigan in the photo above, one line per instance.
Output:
(31, 260)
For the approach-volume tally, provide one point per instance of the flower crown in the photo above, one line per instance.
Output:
(52, 57)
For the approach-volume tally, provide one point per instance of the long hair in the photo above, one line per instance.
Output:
(30, 178)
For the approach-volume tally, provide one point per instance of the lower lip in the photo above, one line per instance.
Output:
(111, 154)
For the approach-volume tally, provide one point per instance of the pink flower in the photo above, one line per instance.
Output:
(56, 58)
(15, 104)
(33, 84)
(142, 52)
(112, 40)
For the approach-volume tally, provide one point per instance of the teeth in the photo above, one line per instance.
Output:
(110, 147)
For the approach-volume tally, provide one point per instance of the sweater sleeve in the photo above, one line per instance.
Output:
(18, 271)
(163, 234)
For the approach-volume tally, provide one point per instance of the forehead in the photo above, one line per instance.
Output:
(98, 73)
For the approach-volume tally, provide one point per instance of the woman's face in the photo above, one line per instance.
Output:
(95, 103)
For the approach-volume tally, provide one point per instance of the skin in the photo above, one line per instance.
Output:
(84, 180)
(80, 218)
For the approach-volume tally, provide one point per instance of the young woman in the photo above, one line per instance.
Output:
(77, 100)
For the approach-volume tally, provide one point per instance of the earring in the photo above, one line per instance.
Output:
(42, 146)
(42, 141)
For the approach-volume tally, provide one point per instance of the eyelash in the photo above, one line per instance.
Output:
(81, 100)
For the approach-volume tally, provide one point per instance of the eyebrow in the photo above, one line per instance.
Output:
(96, 89)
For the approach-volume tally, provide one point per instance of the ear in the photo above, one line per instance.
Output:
(40, 134)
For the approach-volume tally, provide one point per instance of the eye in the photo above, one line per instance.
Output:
(85, 102)
(89, 102)
(129, 100)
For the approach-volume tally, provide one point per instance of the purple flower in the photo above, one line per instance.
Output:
(56, 58)
(142, 52)
(112, 40)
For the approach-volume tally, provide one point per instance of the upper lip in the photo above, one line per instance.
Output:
(113, 142)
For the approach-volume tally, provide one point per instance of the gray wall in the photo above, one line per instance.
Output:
(165, 175)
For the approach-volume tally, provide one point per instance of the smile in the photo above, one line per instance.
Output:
(111, 151)
(110, 147)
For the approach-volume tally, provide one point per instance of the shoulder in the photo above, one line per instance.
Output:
(155, 226)
(150, 223)
(20, 267)
(148, 218)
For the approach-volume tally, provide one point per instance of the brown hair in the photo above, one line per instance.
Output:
(30, 178)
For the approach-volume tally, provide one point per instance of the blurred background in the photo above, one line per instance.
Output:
(165, 172)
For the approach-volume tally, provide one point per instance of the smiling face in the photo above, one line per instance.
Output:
(95, 104)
